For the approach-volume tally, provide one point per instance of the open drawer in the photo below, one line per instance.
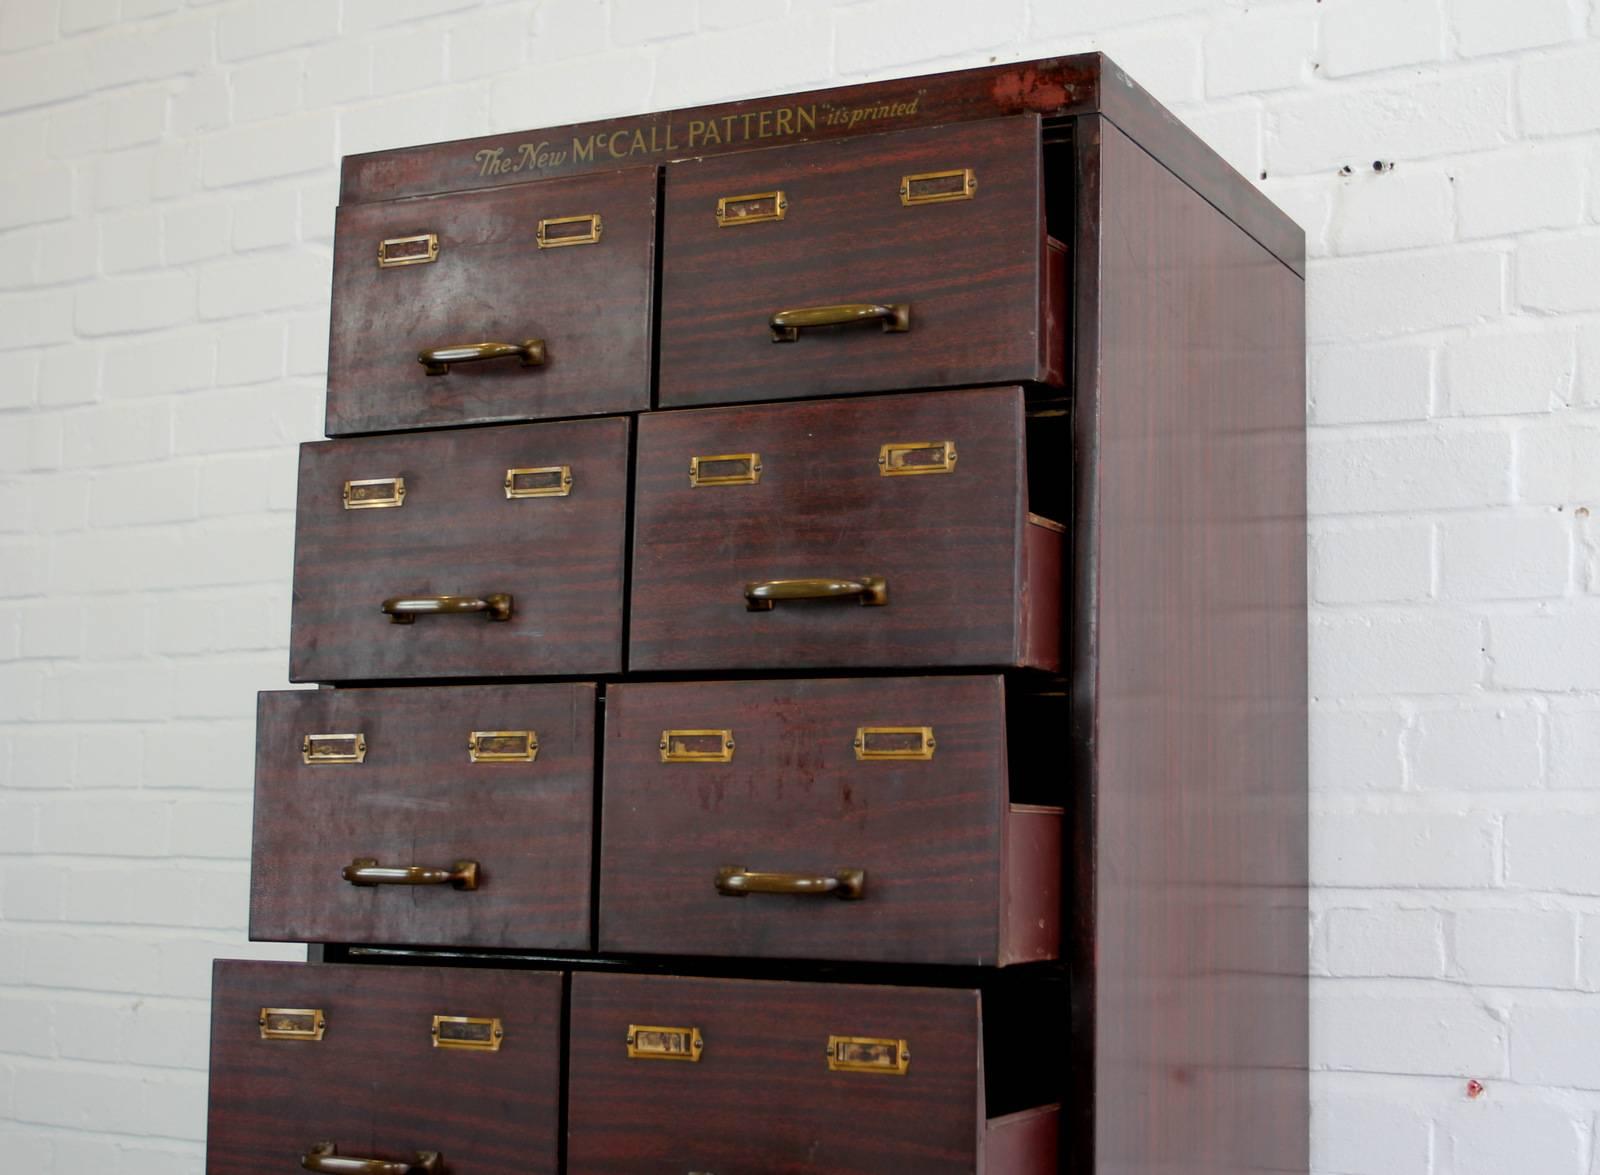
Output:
(668, 1075)
(513, 303)
(433, 816)
(484, 552)
(866, 819)
(916, 259)
(879, 532)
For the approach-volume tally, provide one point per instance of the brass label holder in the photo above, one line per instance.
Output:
(503, 746)
(868, 1054)
(422, 249)
(751, 208)
(910, 458)
(696, 746)
(652, 1042)
(938, 187)
(375, 493)
(544, 481)
(725, 469)
(903, 743)
(292, 1023)
(555, 232)
(333, 748)
(474, 1033)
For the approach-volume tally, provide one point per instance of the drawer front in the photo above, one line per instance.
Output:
(434, 272)
(969, 274)
(488, 790)
(375, 1085)
(877, 806)
(763, 1095)
(483, 517)
(946, 547)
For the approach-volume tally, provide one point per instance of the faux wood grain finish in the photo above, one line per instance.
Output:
(932, 835)
(762, 1098)
(1190, 666)
(590, 304)
(560, 558)
(374, 1084)
(970, 270)
(951, 545)
(418, 799)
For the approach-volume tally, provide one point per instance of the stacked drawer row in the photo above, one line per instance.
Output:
(624, 520)
(463, 816)
(428, 1071)
(751, 527)
(912, 260)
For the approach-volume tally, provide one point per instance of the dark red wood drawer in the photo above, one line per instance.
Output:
(925, 496)
(885, 801)
(376, 1085)
(533, 512)
(489, 789)
(584, 295)
(893, 221)
(744, 1077)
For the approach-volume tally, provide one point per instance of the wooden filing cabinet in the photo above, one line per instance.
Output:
(841, 707)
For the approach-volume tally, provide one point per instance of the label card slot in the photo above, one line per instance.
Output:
(866, 1054)
(468, 1032)
(333, 748)
(503, 746)
(725, 469)
(696, 746)
(545, 481)
(556, 231)
(375, 493)
(292, 1023)
(650, 1042)
(937, 187)
(752, 208)
(422, 249)
(894, 742)
(903, 458)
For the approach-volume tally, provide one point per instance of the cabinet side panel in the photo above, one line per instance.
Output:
(1199, 685)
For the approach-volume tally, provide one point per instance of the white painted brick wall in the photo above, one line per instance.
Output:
(165, 227)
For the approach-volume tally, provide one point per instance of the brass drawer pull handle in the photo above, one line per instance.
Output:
(870, 590)
(437, 360)
(735, 881)
(406, 609)
(325, 1157)
(365, 871)
(787, 324)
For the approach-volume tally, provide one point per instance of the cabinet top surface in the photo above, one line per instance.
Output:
(1057, 88)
